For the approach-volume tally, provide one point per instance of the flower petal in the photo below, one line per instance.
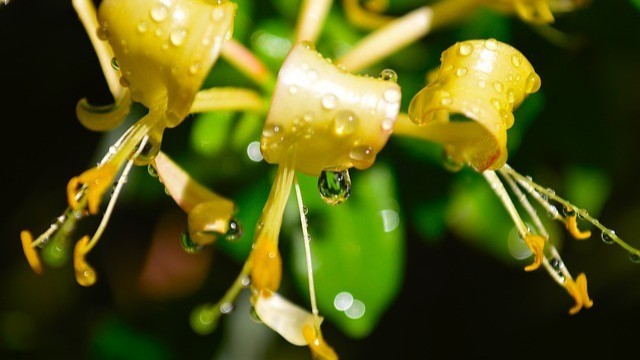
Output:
(283, 316)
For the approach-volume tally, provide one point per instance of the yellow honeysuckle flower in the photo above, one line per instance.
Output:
(157, 54)
(468, 107)
(483, 81)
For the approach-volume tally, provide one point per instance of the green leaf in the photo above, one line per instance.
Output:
(636, 3)
(210, 131)
(357, 249)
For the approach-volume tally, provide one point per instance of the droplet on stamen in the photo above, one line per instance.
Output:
(606, 238)
(449, 163)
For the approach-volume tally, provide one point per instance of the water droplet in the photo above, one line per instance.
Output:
(334, 186)
(217, 14)
(388, 124)
(234, 232)
(516, 60)
(177, 36)
(465, 49)
(226, 308)
(246, 281)
(204, 319)
(606, 238)
(124, 82)
(329, 101)
(149, 151)
(305, 210)
(553, 212)
(159, 13)
(445, 101)
(449, 163)
(533, 83)
(270, 130)
(345, 123)
(568, 212)
(392, 95)
(496, 103)
(189, 245)
(151, 169)
(462, 71)
(194, 68)
(498, 87)
(482, 84)
(362, 155)
(102, 33)
(491, 44)
(253, 315)
(293, 89)
(114, 64)
(635, 258)
(511, 96)
(388, 75)
(142, 27)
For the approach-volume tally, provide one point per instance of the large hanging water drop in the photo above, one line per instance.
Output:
(334, 186)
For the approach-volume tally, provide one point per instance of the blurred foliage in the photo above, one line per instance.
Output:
(443, 282)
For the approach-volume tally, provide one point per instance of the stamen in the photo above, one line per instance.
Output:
(29, 252)
(97, 180)
(85, 274)
(266, 270)
(578, 290)
(320, 349)
(537, 191)
(311, 19)
(571, 223)
(536, 244)
(307, 248)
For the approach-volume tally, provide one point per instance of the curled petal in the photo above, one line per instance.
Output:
(103, 118)
(477, 87)
(266, 270)
(571, 223)
(282, 316)
(367, 18)
(85, 274)
(578, 290)
(30, 252)
(536, 244)
(167, 53)
(331, 119)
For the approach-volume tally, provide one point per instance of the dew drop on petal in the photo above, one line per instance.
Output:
(114, 64)
(388, 75)
(329, 101)
(345, 123)
(465, 49)
(159, 13)
(449, 163)
(334, 186)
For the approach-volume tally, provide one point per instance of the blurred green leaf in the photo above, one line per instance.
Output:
(210, 131)
(475, 214)
(587, 188)
(357, 249)
(115, 339)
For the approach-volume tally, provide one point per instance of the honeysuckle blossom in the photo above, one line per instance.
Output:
(468, 108)
(157, 53)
